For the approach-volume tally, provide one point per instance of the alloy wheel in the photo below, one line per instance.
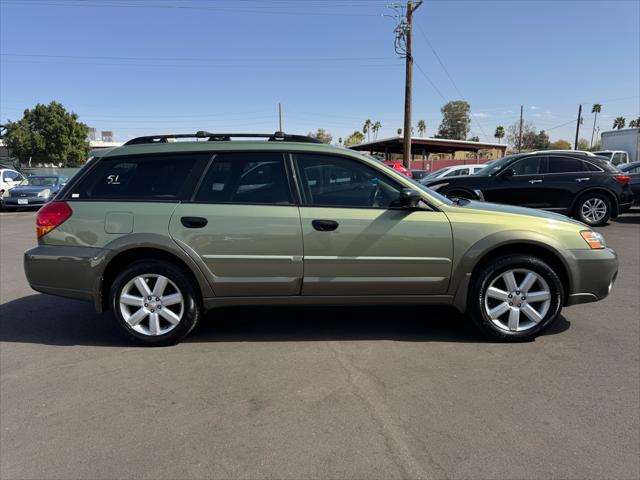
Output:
(517, 300)
(594, 210)
(151, 304)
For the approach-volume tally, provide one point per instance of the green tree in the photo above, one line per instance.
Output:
(529, 136)
(376, 128)
(366, 128)
(48, 133)
(499, 133)
(354, 139)
(322, 135)
(542, 141)
(422, 127)
(475, 138)
(455, 120)
(583, 144)
(596, 109)
(560, 145)
(619, 123)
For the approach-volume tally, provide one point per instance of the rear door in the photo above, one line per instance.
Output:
(565, 177)
(357, 243)
(523, 188)
(244, 225)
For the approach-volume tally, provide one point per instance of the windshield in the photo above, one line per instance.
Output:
(496, 166)
(42, 181)
(604, 154)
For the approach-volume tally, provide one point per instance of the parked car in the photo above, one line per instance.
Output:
(454, 171)
(616, 157)
(35, 191)
(572, 183)
(159, 232)
(9, 179)
(398, 167)
(633, 170)
(418, 174)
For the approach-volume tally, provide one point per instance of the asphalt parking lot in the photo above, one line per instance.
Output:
(317, 392)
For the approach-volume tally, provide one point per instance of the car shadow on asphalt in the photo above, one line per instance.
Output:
(47, 320)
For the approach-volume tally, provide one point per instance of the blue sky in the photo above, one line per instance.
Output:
(155, 66)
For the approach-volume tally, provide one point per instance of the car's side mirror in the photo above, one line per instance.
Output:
(509, 172)
(409, 198)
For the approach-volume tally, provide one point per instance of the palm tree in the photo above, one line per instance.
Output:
(366, 129)
(619, 123)
(596, 109)
(376, 126)
(399, 131)
(635, 123)
(499, 133)
(422, 127)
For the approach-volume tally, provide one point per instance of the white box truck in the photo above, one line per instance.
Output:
(621, 146)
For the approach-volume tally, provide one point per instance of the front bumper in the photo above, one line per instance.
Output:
(593, 273)
(19, 202)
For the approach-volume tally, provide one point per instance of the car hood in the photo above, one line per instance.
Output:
(31, 189)
(531, 212)
(475, 178)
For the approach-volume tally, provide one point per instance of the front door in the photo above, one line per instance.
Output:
(523, 188)
(244, 226)
(357, 243)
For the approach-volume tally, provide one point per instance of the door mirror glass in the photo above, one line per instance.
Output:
(509, 172)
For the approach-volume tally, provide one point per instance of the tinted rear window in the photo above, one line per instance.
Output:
(565, 165)
(162, 177)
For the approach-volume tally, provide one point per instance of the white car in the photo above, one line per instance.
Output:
(455, 171)
(8, 179)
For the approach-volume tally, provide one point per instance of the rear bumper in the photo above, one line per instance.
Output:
(593, 273)
(66, 271)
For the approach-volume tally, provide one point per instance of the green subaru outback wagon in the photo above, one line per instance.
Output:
(167, 227)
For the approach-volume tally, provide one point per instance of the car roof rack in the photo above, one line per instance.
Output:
(222, 137)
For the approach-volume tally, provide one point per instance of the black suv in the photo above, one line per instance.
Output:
(578, 184)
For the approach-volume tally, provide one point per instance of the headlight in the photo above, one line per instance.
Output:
(438, 186)
(44, 193)
(593, 239)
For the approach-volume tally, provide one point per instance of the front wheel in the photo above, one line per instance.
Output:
(155, 303)
(594, 209)
(515, 297)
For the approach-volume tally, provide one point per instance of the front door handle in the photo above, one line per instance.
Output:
(193, 222)
(324, 225)
(535, 181)
(580, 180)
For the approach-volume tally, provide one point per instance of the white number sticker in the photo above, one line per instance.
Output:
(113, 179)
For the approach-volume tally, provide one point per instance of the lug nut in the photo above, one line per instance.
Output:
(149, 298)
(159, 307)
(517, 292)
(157, 299)
(518, 305)
(152, 310)
(146, 304)
(510, 295)
(511, 303)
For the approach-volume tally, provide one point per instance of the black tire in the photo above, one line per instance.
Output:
(192, 308)
(487, 273)
(589, 197)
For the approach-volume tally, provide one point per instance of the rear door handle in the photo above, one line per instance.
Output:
(535, 181)
(585, 179)
(193, 222)
(324, 225)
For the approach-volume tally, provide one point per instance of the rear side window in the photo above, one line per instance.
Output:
(154, 177)
(565, 165)
(246, 178)
(527, 166)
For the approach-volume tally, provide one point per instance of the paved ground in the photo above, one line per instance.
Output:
(322, 393)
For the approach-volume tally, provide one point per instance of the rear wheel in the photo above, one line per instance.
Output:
(594, 209)
(155, 303)
(515, 297)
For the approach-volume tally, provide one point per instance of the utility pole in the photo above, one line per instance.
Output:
(403, 47)
(279, 117)
(520, 130)
(575, 145)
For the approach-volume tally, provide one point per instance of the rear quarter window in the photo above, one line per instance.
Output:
(149, 177)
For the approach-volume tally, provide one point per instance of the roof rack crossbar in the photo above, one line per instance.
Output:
(222, 137)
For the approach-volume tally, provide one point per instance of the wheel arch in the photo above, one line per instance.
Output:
(494, 246)
(611, 196)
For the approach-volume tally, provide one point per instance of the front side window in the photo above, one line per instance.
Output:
(10, 176)
(527, 166)
(340, 182)
(161, 177)
(246, 178)
(617, 158)
(565, 165)
(457, 172)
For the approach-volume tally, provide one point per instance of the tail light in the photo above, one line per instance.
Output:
(52, 215)
(624, 179)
